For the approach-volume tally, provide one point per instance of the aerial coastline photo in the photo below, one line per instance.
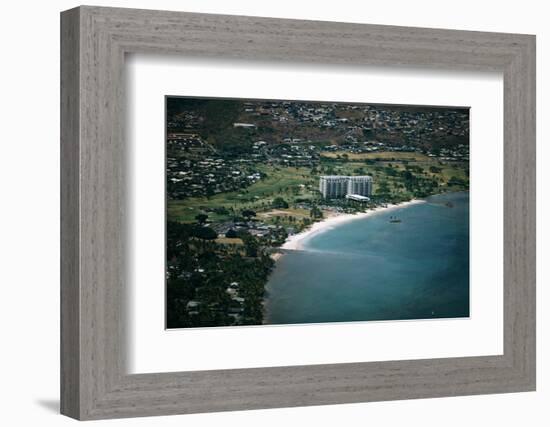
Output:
(298, 212)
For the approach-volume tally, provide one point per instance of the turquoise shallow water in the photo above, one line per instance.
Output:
(371, 269)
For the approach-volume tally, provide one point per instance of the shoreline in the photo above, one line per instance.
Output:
(297, 241)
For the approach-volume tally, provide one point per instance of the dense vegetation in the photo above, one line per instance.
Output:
(200, 270)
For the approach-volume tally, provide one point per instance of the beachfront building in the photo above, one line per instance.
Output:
(358, 198)
(360, 185)
(339, 186)
(333, 186)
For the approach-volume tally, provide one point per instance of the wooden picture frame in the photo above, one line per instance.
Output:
(94, 382)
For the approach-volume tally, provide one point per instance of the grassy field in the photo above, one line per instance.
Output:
(355, 164)
(292, 183)
(229, 241)
(290, 212)
(288, 183)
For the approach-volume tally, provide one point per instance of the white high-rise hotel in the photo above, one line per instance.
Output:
(337, 186)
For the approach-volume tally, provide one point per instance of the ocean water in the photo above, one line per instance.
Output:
(371, 269)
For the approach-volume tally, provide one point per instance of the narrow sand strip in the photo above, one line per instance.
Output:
(296, 242)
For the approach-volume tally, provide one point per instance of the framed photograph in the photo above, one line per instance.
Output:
(262, 213)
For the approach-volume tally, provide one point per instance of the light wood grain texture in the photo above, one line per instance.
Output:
(94, 381)
(70, 366)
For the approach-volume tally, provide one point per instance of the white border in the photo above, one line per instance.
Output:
(152, 349)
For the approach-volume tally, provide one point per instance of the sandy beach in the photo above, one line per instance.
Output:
(276, 255)
(296, 241)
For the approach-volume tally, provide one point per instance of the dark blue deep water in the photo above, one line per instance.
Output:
(371, 269)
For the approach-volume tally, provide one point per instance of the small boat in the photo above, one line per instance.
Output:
(449, 204)
(394, 219)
